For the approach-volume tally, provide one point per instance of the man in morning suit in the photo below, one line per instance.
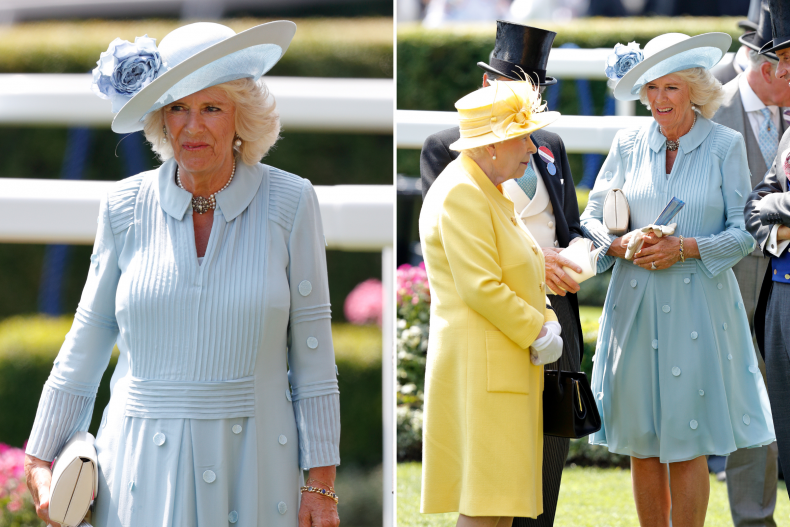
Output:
(753, 105)
(545, 198)
(767, 216)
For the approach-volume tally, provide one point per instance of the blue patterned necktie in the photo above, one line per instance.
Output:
(769, 137)
(529, 181)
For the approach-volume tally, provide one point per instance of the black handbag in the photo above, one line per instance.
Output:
(569, 409)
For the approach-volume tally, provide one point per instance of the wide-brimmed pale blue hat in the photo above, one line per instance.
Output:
(195, 57)
(670, 53)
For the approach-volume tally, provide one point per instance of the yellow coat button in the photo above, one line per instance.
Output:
(541, 286)
(535, 249)
(513, 220)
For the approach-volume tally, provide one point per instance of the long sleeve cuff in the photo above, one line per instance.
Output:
(772, 246)
(318, 424)
(720, 252)
(60, 414)
(594, 230)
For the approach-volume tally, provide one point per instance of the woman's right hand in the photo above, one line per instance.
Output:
(39, 477)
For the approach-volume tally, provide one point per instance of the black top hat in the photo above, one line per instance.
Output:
(757, 39)
(780, 24)
(755, 6)
(519, 51)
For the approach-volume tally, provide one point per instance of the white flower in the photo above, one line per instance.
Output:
(125, 69)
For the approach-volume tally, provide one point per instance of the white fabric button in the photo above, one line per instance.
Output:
(131, 486)
(675, 371)
(159, 439)
(288, 394)
(687, 280)
(556, 243)
(754, 369)
(655, 344)
(233, 517)
(312, 343)
(305, 287)
(209, 476)
(665, 309)
(729, 357)
(693, 424)
(633, 283)
(746, 419)
(608, 175)
(724, 326)
(282, 439)
(694, 335)
(337, 372)
(236, 429)
(550, 224)
(282, 508)
(701, 393)
(600, 396)
(719, 286)
(740, 305)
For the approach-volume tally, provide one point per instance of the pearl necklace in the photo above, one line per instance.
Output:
(200, 204)
(673, 145)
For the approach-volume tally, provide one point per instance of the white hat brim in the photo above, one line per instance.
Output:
(627, 88)
(541, 119)
(266, 43)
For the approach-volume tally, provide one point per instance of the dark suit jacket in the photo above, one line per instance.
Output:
(768, 205)
(436, 155)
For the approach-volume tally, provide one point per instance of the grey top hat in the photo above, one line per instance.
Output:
(757, 39)
(780, 24)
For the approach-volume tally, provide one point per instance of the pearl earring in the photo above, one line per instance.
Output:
(164, 131)
(237, 142)
(693, 108)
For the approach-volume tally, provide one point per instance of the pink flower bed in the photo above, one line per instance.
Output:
(13, 490)
(364, 303)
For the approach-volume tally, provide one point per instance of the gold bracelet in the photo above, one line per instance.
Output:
(682, 256)
(323, 492)
(324, 483)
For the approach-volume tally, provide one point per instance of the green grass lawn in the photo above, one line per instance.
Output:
(591, 497)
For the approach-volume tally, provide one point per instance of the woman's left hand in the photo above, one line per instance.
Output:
(317, 510)
(664, 252)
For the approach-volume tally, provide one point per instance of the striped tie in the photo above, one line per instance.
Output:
(529, 181)
(769, 137)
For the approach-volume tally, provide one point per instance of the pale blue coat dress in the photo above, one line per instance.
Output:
(675, 373)
(226, 382)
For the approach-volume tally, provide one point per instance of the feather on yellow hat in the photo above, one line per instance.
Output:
(501, 111)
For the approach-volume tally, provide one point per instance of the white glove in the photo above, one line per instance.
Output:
(548, 348)
(637, 237)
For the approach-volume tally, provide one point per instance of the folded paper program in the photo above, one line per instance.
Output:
(638, 237)
(584, 254)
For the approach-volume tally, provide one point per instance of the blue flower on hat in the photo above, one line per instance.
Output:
(125, 69)
(622, 60)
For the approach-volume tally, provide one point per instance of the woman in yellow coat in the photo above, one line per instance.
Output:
(492, 327)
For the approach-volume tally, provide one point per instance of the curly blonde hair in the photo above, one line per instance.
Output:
(257, 121)
(704, 91)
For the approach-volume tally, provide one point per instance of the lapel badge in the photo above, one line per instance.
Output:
(548, 158)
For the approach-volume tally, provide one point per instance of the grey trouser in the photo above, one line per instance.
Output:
(555, 449)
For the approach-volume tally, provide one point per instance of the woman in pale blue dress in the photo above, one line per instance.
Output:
(210, 275)
(675, 374)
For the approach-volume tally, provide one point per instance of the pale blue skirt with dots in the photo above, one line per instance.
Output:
(675, 373)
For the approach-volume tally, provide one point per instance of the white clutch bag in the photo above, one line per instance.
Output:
(75, 481)
(584, 254)
(616, 212)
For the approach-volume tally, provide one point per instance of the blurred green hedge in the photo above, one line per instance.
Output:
(354, 47)
(436, 67)
(28, 346)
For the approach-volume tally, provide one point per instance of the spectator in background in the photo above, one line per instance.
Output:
(753, 105)
(726, 70)
(545, 199)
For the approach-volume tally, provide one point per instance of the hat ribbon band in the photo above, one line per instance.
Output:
(511, 68)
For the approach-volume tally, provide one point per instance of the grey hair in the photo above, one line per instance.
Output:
(704, 91)
(756, 60)
(257, 121)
